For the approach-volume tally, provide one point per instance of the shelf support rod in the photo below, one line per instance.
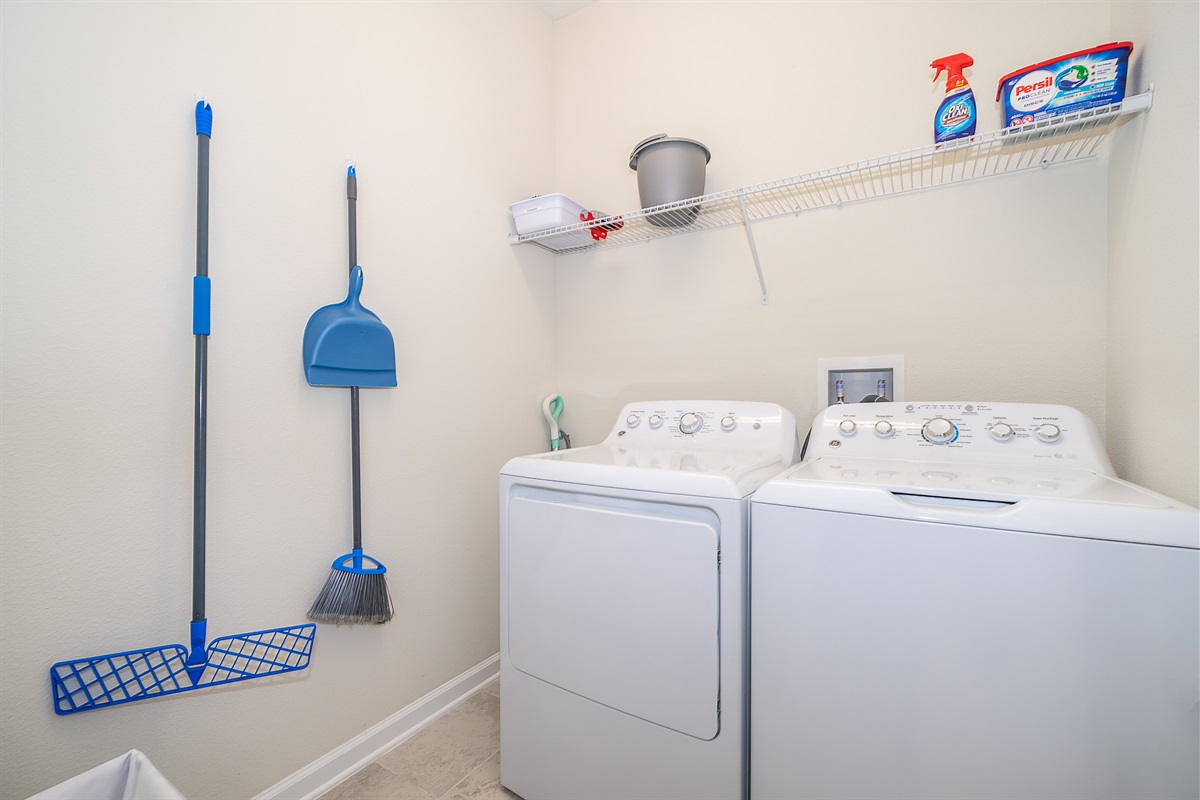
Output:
(762, 284)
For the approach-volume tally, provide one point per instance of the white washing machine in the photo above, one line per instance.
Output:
(622, 604)
(960, 600)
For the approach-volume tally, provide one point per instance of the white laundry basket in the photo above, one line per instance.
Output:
(127, 777)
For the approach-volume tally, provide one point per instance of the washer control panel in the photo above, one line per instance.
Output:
(706, 423)
(982, 433)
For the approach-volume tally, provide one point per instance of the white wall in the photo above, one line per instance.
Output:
(981, 287)
(447, 110)
(1154, 255)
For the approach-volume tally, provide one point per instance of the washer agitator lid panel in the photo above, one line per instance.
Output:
(618, 601)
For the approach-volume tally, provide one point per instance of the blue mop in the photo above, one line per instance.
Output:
(116, 678)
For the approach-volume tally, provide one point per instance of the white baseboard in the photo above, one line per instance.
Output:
(329, 770)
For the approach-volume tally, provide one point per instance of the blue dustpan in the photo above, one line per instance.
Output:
(346, 344)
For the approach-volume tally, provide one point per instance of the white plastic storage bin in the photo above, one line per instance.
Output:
(544, 212)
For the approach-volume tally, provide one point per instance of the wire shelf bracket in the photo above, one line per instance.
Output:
(1038, 145)
(762, 284)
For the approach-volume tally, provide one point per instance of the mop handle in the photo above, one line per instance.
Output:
(201, 313)
(355, 449)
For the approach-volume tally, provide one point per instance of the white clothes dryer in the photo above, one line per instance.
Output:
(960, 600)
(622, 604)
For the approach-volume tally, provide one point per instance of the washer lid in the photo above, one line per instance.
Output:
(702, 472)
(1066, 502)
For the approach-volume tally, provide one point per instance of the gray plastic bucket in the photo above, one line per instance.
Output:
(668, 170)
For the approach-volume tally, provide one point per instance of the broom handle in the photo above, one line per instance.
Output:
(201, 303)
(355, 448)
(355, 469)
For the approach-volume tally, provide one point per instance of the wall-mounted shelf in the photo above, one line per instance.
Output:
(1060, 140)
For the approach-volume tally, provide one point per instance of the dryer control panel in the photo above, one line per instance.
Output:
(979, 433)
(713, 424)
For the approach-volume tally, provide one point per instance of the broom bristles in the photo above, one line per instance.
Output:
(352, 598)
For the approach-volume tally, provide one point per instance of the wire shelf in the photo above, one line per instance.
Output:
(1039, 145)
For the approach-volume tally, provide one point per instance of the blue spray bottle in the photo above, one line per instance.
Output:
(956, 115)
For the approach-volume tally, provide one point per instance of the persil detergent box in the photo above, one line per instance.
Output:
(1065, 84)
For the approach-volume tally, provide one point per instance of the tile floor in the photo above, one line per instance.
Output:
(456, 758)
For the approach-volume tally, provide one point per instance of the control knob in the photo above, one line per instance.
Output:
(1001, 431)
(728, 423)
(632, 420)
(939, 430)
(1048, 432)
(847, 427)
(655, 420)
(884, 428)
(690, 423)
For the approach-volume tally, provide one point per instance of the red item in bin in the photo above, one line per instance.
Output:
(601, 231)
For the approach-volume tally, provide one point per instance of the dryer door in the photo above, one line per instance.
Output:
(617, 600)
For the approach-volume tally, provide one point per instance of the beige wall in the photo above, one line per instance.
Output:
(982, 298)
(1154, 258)
(452, 112)
(982, 288)
(447, 110)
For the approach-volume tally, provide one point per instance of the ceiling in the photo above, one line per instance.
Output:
(557, 9)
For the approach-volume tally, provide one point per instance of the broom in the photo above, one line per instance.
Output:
(356, 590)
(347, 342)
